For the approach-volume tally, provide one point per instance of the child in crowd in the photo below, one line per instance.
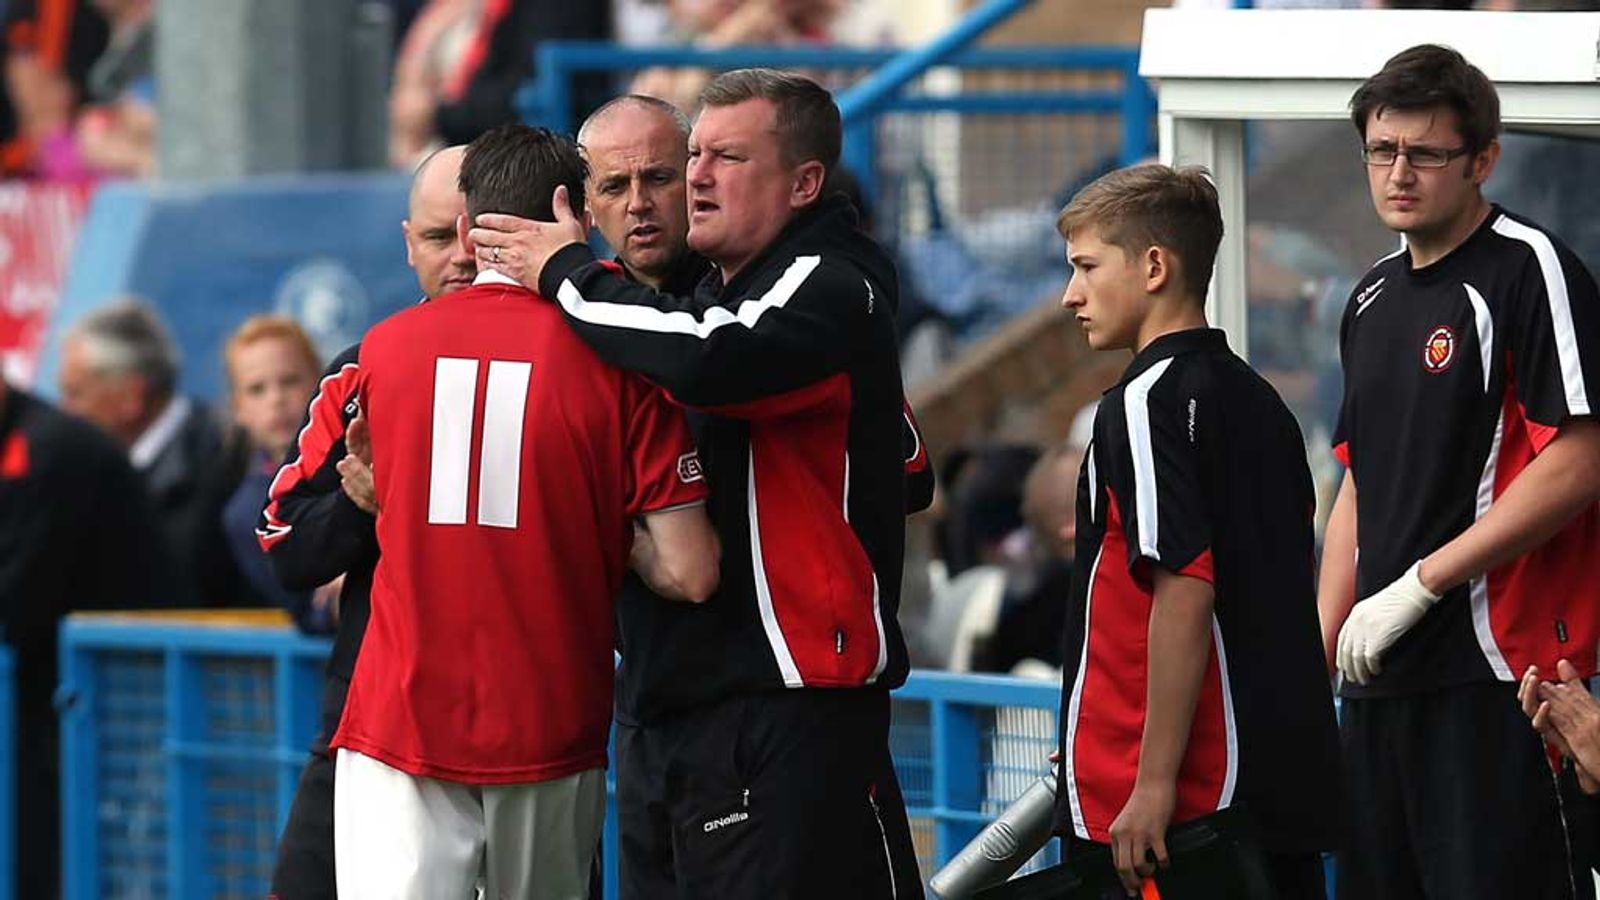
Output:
(272, 371)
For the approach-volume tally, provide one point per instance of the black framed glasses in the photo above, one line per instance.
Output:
(1419, 157)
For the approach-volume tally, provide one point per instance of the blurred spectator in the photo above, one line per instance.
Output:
(641, 23)
(119, 370)
(1033, 613)
(50, 46)
(272, 372)
(116, 132)
(450, 87)
(430, 68)
(711, 24)
(983, 521)
(73, 535)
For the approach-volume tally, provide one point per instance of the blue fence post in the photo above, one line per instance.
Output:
(610, 837)
(957, 776)
(182, 684)
(555, 88)
(1138, 113)
(80, 836)
(860, 154)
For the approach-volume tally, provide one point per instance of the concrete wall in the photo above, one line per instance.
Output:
(250, 87)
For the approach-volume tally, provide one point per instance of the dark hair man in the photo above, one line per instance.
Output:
(1192, 682)
(318, 521)
(1470, 356)
(768, 706)
(474, 737)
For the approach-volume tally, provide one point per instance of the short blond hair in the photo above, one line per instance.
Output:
(1154, 205)
(267, 328)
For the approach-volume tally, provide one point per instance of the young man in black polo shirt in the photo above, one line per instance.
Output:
(1471, 356)
(1192, 682)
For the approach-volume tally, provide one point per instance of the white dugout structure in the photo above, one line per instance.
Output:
(1217, 69)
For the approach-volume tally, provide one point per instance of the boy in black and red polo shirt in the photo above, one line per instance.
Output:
(1192, 679)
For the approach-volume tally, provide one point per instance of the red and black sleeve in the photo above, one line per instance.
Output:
(311, 531)
(919, 472)
(753, 356)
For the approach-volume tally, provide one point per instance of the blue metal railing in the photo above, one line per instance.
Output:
(182, 745)
(548, 100)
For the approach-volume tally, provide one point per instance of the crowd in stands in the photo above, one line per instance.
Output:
(79, 99)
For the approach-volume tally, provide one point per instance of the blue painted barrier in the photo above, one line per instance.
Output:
(182, 743)
(325, 249)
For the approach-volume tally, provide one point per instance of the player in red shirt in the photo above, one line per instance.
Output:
(508, 461)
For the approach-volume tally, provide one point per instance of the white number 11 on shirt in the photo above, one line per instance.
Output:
(455, 384)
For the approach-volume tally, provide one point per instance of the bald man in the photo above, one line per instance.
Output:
(432, 250)
(318, 522)
(637, 148)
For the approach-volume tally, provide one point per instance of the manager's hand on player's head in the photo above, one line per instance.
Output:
(519, 248)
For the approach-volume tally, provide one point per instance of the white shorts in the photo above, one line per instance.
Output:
(397, 836)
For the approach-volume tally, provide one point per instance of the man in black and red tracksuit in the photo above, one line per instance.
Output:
(314, 529)
(753, 729)
(68, 496)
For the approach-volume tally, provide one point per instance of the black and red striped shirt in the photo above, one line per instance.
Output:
(312, 532)
(1197, 467)
(806, 441)
(1456, 376)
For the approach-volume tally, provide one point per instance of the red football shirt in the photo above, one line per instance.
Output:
(508, 462)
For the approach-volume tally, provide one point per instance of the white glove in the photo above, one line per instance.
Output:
(1378, 621)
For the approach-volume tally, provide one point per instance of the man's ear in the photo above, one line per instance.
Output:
(808, 181)
(1482, 165)
(1157, 268)
(463, 226)
(405, 229)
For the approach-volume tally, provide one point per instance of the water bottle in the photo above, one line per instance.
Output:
(1001, 848)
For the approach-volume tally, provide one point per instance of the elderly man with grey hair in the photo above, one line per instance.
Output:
(119, 370)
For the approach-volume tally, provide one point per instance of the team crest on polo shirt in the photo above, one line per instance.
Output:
(689, 470)
(1440, 350)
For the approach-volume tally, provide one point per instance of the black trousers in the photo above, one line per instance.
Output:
(1452, 797)
(790, 794)
(1293, 876)
(304, 870)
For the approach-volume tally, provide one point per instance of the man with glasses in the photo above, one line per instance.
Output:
(1471, 359)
